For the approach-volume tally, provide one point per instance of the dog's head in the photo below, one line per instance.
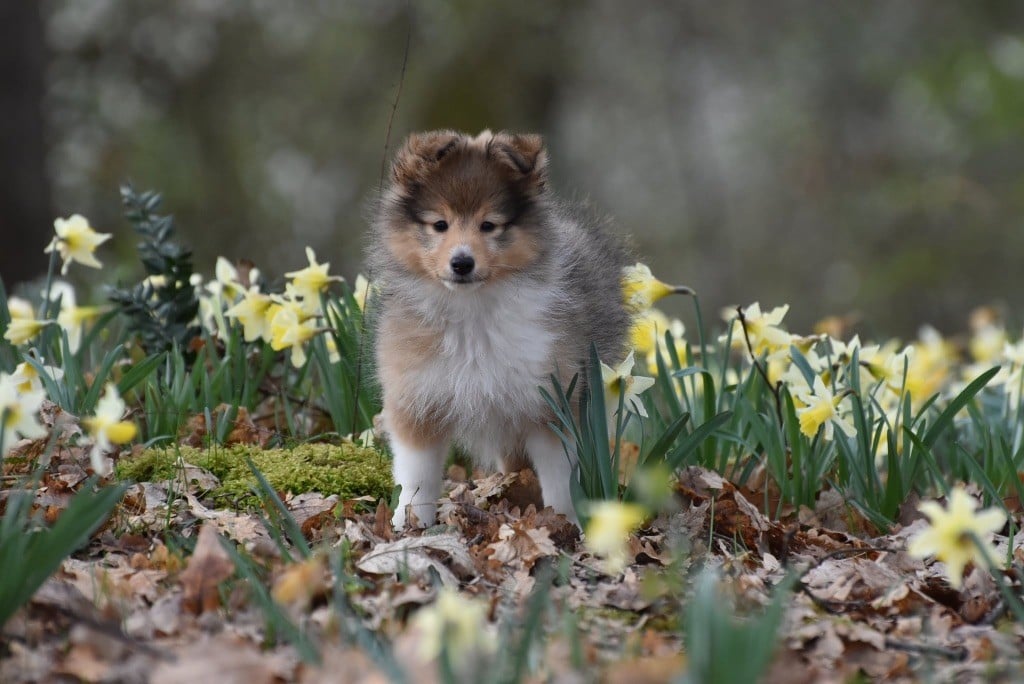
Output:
(465, 211)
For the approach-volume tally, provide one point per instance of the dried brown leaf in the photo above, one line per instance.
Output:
(207, 567)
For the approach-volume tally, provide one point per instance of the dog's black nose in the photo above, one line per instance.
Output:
(462, 264)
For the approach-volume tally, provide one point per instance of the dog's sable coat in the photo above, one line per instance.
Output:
(487, 287)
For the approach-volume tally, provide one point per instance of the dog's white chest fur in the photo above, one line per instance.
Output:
(496, 349)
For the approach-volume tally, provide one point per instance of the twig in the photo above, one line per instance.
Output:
(955, 653)
(114, 632)
(380, 191)
(394, 104)
(776, 389)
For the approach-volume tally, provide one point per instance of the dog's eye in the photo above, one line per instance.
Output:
(440, 226)
(487, 226)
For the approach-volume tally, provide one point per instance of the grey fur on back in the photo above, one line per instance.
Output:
(593, 259)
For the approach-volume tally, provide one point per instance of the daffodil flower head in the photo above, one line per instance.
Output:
(309, 282)
(620, 382)
(291, 327)
(761, 327)
(361, 291)
(640, 289)
(821, 408)
(929, 365)
(20, 307)
(226, 282)
(682, 349)
(608, 530)
(251, 312)
(987, 343)
(18, 410)
(648, 330)
(21, 330)
(455, 622)
(107, 428)
(27, 377)
(76, 241)
(71, 317)
(958, 534)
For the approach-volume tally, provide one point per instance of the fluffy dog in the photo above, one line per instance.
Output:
(488, 286)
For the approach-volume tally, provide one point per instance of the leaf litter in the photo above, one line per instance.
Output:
(156, 597)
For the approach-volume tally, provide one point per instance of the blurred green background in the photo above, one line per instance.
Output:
(841, 157)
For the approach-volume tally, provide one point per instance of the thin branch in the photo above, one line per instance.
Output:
(380, 191)
(776, 389)
(955, 653)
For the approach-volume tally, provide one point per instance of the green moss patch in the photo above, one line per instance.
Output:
(347, 470)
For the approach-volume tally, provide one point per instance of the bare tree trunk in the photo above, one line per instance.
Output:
(24, 194)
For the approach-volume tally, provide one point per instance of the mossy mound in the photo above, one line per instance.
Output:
(347, 470)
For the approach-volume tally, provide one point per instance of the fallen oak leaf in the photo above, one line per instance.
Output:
(207, 567)
(522, 545)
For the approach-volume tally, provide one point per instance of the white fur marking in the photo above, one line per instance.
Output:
(495, 350)
(554, 470)
(418, 470)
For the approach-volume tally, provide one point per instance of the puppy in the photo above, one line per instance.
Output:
(488, 286)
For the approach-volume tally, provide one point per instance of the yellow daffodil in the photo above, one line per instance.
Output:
(648, 330)
(309, 282)
(72, 317)
(682, 349)
(251, 313)
(640, 289)
(361, 291)
(821, 409)
(608, 530)
(21, 330)
(455, 622)
(18, 410)
(226, 282)
(20, 308)
(620, 382)
(948, 538)
(987, 343)
(76, 241)
(929, 365)
(27, 377)
(885, 363)
(107, 428)
(761, 327)
(289, 327)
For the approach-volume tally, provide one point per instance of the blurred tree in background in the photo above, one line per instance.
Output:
(840, 157)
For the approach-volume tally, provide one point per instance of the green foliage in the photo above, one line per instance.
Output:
(722, 647)
(161, 314)
(349, 387)
(228, 374)
(9, 356)
(278, 622)
(31, 551)
(347, 470)
(599, 455)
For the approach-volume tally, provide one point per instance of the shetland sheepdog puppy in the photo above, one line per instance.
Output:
(487, 286)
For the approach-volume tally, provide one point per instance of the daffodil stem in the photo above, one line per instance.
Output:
(3, 422)
(50, 269)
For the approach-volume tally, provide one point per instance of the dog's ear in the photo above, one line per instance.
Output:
(523, 153)
(420, 152)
